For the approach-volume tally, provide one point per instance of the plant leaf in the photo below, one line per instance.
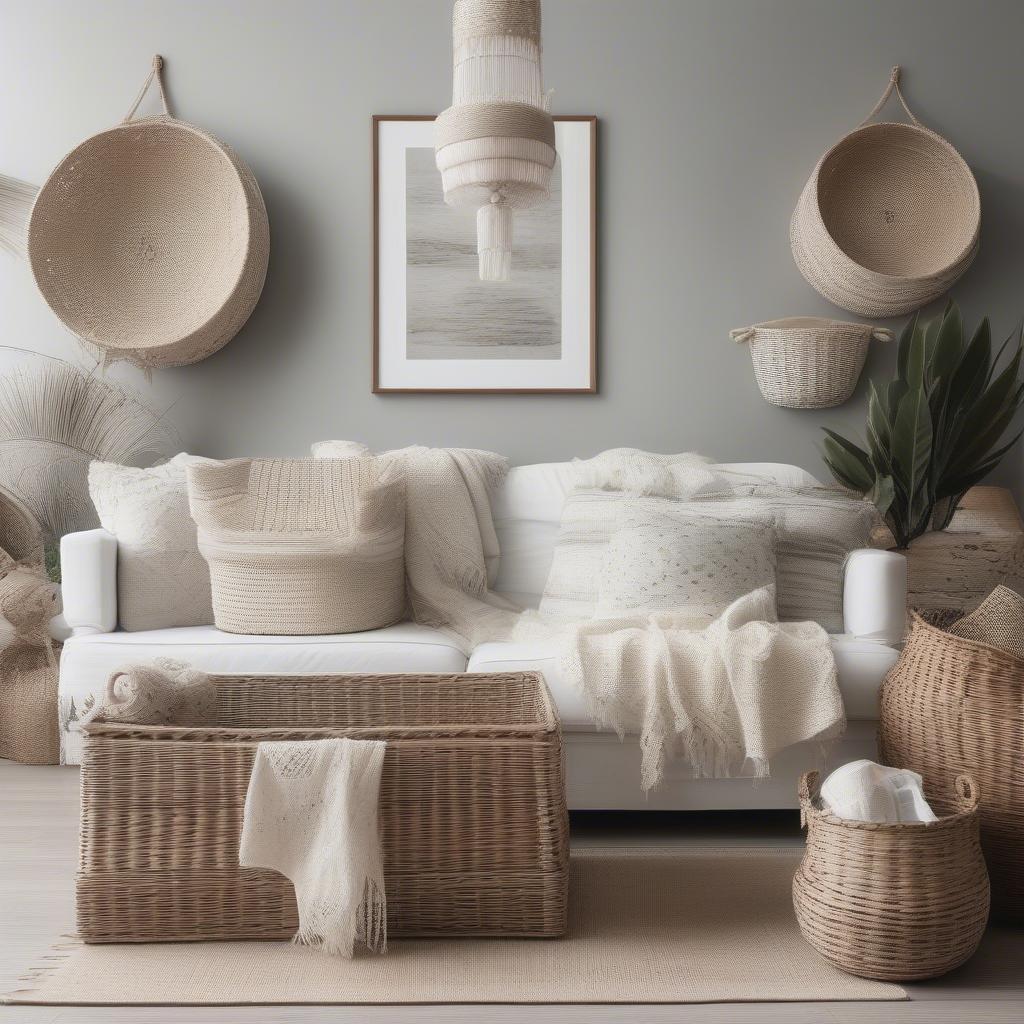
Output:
(912, 448)
(916, 358)
(848, 463)
(903, 348)
(882, 494)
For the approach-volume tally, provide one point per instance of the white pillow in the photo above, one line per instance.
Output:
(815, 531)
(162, 580)
(701, 563)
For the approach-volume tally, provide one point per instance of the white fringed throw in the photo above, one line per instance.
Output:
(311, 813)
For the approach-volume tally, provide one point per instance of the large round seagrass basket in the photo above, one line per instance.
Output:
(808, 362)
(895, 902)
(889, 218)
(953, 705)
(150, 240)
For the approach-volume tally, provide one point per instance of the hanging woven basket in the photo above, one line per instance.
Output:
(889, 218)
(808, 362)
(150, 240)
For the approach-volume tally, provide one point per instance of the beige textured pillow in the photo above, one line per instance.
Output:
(302, 546)
(658, 560)
(162, 580)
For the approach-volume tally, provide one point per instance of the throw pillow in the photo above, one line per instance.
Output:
(302, 546)
(162, 580)
(700, 563)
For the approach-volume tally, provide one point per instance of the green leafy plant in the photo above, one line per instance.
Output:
(937, 428)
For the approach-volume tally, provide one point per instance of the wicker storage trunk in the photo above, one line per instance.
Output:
(472, 809)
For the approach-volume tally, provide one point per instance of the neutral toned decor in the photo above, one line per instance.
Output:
(54, 420)
(436, 326)
(472, 809)
(889, 218)
(808, 362)
(937, 429)
(957, 567)
(691, 915)
(899, 901)
(162, 580)
(16, 199)
(301, 546)
(495, 145)
(952, 705)
(998, 622)
(150, 240)
(20, 535)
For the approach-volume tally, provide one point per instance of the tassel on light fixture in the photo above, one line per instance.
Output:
(495, 145)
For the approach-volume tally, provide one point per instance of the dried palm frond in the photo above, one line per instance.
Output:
(16, 199)
(54, 420)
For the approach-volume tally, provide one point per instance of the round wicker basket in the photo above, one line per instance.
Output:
(20, 534)
(953, 705)
(151, 240)
(889, 218)
(808, 362)
(894, 902)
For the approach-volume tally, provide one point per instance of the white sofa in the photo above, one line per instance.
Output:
(601, 772)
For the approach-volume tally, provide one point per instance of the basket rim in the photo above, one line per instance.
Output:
(919, 622)
(808, 323)
(252, 209)
(966, 253)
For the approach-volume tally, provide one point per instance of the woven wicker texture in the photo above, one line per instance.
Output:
(20, 535)
(472, 809)
(301, 546)
(894, 902)
(28, 704)
(889, 218)
(476, 19)
(808, 362)
(151, 241)
(950, 706)
(998, 621)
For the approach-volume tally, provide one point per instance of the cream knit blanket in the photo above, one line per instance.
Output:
(726, 697)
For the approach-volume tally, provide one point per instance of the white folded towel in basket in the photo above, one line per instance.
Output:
(865, 791)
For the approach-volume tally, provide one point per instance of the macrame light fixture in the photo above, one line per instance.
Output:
(495, 145)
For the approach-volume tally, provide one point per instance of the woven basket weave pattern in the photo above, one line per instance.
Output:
(472, 809)
(894, 902)
(20, 535)
(952, 705)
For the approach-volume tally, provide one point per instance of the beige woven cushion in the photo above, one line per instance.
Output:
(662, 558)
(998, 621)
(302, 546)
(162, 580)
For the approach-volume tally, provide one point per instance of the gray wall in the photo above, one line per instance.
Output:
(713, 113)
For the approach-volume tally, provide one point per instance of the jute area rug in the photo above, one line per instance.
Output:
(645, 927)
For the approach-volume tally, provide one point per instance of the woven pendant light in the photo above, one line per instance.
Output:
(495, 145)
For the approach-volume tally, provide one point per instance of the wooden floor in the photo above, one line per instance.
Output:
(38, 826)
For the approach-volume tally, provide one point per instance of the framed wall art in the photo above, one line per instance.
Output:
(437, 328)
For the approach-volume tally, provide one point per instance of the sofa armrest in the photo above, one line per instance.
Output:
(88, 570)
(875, 595)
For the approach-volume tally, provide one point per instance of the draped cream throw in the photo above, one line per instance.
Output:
(726, 697)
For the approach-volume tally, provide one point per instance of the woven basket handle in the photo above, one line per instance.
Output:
(883, 334)
(808, 783)
(967, 796)
(894, 84)
(742, 334)
(155, 71)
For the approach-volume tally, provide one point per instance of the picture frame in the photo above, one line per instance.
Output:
(438, 329)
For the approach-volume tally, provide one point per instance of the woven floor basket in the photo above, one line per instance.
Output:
(150, 241)
(895, 902)
(472, 809)
(808, 362)
(889, 218)
(953, 705)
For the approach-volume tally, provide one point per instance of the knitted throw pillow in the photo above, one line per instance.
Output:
(681, 560)
(302, 546)
(162, 580)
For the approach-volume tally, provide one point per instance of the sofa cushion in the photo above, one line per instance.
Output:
(862, 666)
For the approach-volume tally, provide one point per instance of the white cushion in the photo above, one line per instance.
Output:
(862, 666)
(87, 661)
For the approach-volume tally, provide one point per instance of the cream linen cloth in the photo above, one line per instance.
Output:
(311, 813)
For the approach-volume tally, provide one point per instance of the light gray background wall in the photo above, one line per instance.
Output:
(713, 113)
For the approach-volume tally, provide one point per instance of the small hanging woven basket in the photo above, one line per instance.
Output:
(889, 218)
(808, 362)
(150, 240)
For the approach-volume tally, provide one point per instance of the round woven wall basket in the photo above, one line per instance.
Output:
(889, 218)
(150, 240)
(808, 362)
(952, 705)
(894, 902)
